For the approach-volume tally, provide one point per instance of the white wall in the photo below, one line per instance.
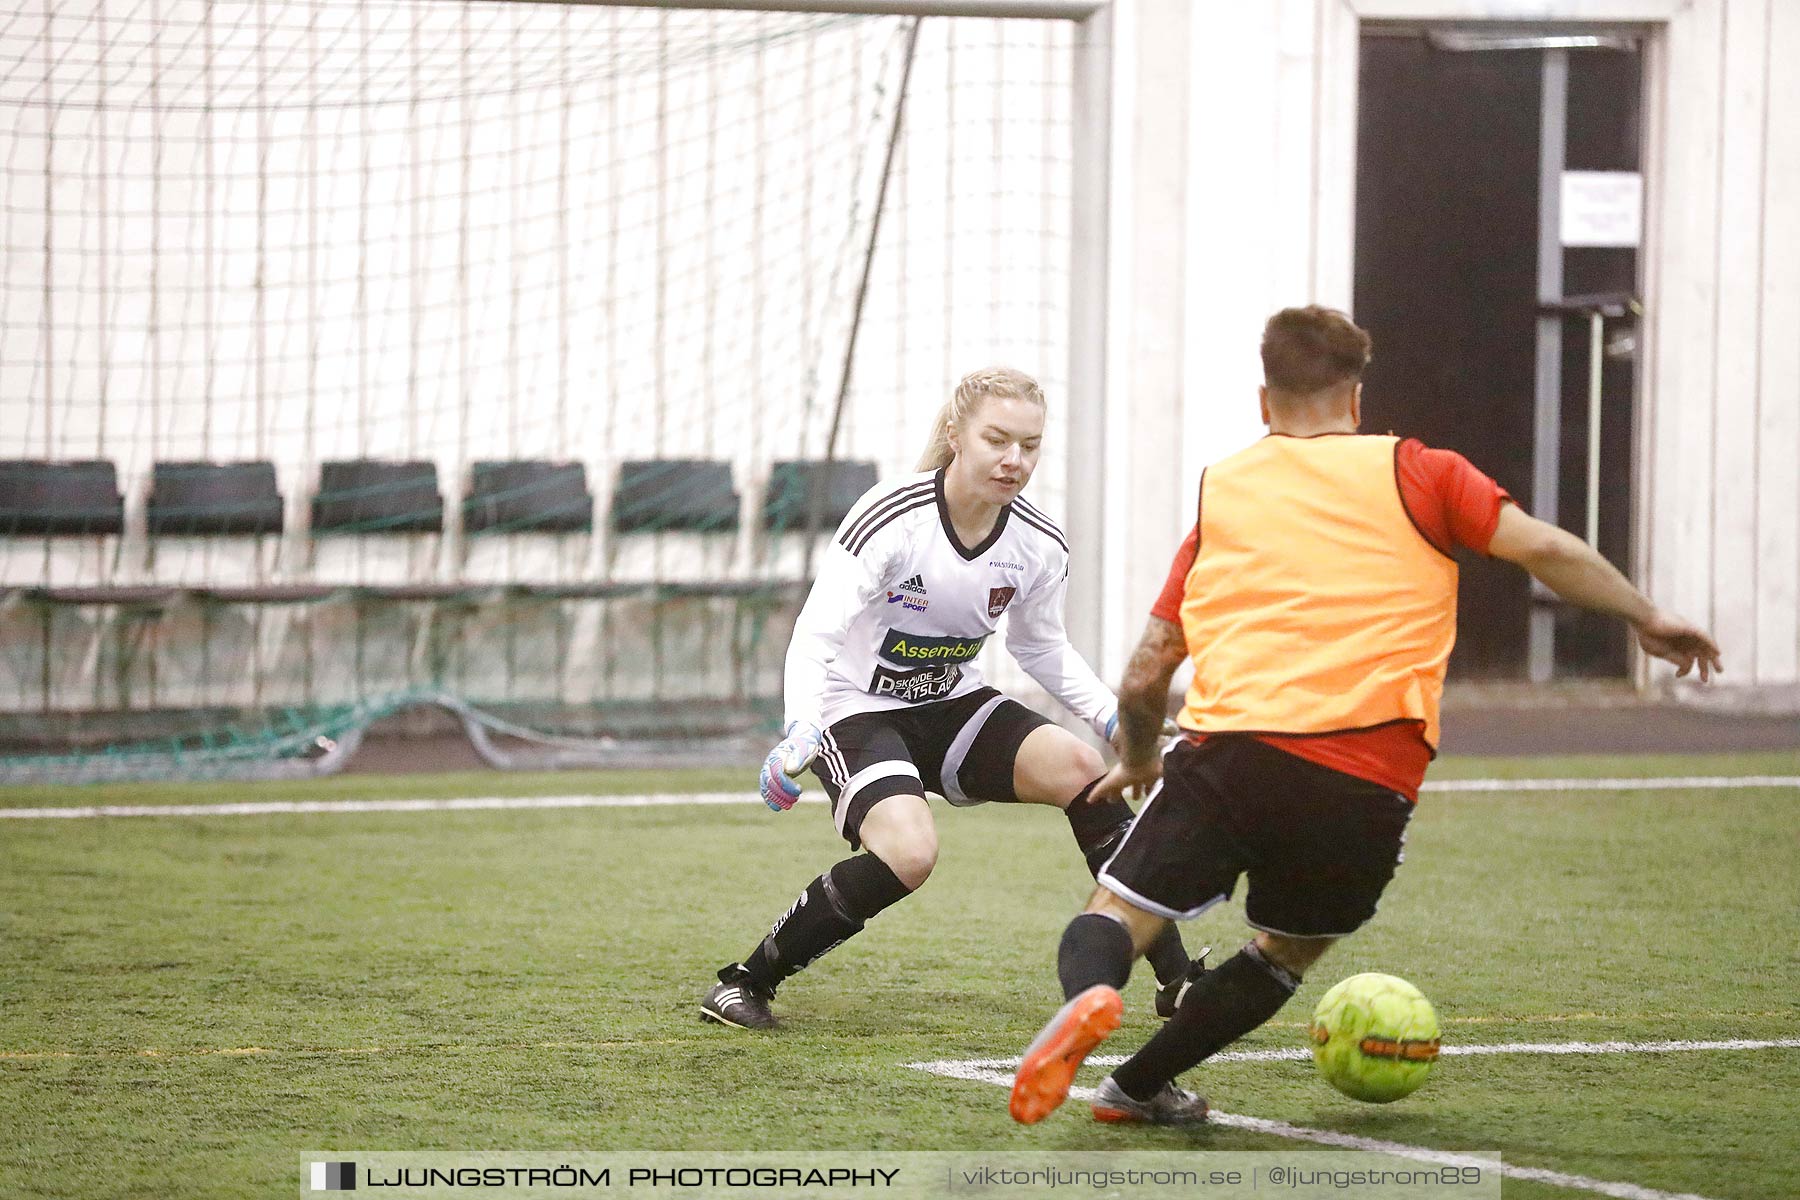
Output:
(1267, 198)
(1720, 451)
(1258, 217)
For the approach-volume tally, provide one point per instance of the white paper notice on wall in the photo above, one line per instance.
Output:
(1602, 208)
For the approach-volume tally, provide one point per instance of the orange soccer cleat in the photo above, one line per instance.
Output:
(1053, 1056)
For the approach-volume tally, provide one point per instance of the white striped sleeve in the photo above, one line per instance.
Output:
(846, 584)
(1036, 637)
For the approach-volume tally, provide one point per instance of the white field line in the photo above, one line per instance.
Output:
(998, 1071)
(473, 803)
(1616, 784)
(1301, 1054)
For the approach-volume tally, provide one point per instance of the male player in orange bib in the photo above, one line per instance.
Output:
(1316, 596)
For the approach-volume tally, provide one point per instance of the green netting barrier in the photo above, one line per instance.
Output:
(169, 684)
(306, 743)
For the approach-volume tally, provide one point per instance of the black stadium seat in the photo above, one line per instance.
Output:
(59, 498)
(366, 496)
(795, 486)
(528, 496)
(677, 493)
(214, 499)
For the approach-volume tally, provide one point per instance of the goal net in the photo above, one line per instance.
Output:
(373, 257)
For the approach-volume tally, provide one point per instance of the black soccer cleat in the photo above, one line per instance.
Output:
(737, 1002)
(1170, 995)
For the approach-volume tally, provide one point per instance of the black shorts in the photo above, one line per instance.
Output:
(962, 749)
(1319, 846)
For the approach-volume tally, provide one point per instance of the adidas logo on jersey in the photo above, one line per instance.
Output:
(910, 595)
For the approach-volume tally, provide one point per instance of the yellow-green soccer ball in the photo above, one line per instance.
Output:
(1374, 1037)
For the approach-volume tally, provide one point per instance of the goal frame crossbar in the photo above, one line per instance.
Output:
(1051, 10)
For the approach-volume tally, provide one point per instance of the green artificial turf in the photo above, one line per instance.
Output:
(188, 1003)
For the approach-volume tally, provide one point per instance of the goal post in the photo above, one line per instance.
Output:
(444, 282)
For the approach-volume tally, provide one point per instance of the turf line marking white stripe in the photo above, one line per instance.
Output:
(1614, 784)
(1300, 1054)
(998, 1071)
(676, 800)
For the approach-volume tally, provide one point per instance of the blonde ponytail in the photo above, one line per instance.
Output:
(974, 388)
(937, 449)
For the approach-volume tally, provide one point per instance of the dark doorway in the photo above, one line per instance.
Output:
(1447, 284)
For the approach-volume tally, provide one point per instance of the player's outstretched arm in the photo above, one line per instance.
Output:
(1143, 697)
(846, 584)
(1575, 571)
(1039, 642)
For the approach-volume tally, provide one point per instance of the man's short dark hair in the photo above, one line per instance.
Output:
(1307, 350)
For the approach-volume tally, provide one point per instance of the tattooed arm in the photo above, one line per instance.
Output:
(1143, 697)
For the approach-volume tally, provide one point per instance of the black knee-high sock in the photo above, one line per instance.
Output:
(1095, 949)
(1098, 830)
(831, 910)
(1221, 1007)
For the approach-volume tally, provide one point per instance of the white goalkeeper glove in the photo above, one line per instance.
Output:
(798, 747)
(1111, 733)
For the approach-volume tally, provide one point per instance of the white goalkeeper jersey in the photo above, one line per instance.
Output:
(901, 608)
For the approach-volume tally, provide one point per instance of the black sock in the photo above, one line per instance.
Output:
(1221, 1007)
(830, 911)
(1095, 949)
(1167, 957)
(866, 885)
(1098, 830)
